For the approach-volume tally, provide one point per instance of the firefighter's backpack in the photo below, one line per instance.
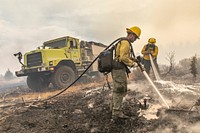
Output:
(105, 61)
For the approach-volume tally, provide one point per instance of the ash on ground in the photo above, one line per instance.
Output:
(87, 110)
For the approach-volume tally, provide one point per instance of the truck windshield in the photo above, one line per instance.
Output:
(56, 44)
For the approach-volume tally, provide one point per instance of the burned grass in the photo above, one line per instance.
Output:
(87, 110)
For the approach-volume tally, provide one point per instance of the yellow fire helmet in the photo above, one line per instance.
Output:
(152, 40)
(136, 30)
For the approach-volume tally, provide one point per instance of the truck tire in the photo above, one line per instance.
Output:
(37, 82)
(63, 77)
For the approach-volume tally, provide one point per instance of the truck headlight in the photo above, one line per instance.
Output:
(50, 63)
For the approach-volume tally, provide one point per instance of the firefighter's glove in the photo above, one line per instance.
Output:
(139, 59)
(135, 59)
(147, 52)
(135, 64)
(151, 53)
(142, 68)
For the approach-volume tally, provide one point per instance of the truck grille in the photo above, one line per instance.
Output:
(34, 59)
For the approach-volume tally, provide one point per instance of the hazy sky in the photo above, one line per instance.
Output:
(26, 24)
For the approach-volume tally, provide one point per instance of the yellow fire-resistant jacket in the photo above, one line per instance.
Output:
(123, 53)
(150, 50)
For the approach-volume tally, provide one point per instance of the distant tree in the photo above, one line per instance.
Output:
(193, 67)
(198, 64)
(171, 58)
(8, 75)
(184, 66)
(185, 63)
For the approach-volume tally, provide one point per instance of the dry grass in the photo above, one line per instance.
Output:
(44, 95)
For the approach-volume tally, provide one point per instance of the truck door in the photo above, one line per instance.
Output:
(74, 50)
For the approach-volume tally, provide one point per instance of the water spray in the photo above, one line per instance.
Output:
(150, 81)
(154, 68)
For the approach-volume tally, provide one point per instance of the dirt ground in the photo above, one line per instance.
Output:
(86, 109)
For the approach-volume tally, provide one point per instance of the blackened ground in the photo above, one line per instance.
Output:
(88, 110)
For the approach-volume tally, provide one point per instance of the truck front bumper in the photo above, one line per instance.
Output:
(26, 72)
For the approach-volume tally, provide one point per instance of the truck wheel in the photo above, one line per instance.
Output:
(63, 77)
(37, 82)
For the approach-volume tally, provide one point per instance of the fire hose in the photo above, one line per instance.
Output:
(138, 61)
(150, 81)
(80, 75)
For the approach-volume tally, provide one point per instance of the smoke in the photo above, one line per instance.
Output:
(194, 128)
(27, 24)
(13, 84)
(180, 122)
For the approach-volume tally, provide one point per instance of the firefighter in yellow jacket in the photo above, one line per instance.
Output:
(119, 75)
(150, 49)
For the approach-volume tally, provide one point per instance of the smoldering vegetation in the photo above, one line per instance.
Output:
(87, 109)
